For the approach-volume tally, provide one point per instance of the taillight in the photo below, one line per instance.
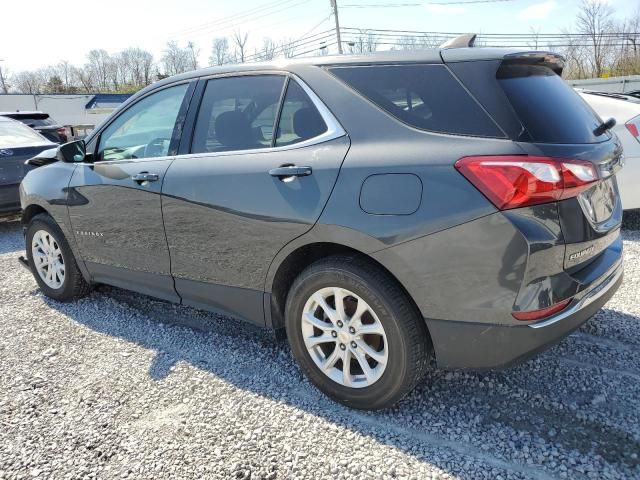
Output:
(542, 313)
(633, 126)
(62, 131)
(512, 181)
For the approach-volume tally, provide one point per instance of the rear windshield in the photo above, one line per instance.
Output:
(37, 122)
(549, 109)
(14, 134)
(424, 96)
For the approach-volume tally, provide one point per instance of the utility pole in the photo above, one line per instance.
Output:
(334, 7)
(3, 85)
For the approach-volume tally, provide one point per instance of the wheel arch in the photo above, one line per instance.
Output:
(300, 258)
(31, 211)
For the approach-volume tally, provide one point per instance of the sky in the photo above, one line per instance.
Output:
(69, 33)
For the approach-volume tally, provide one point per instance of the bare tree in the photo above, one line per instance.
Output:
(407, 42)
(29, 82)
(269, 48)
(240, 41)
(288, 47)
(175, 59)
(140, 65)
(219, 51)
(98, 67)
(535, 38)
(192, 57)
(4, 82)
(364, 42)
(595, 22)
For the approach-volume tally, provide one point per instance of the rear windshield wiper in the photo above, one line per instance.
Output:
(604, 127)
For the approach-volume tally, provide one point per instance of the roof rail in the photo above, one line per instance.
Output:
(463, 41)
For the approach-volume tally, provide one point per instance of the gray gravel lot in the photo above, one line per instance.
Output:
(119, 385)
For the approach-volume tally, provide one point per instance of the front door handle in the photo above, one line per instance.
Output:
(290, 171)
(142, 177)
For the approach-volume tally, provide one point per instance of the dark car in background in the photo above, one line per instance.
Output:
(379, 208)
(42, 123)
(17, 144)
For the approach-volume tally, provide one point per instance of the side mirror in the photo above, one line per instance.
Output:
(72, 152)
(44, 157)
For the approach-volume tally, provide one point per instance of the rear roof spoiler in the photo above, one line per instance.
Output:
(461, 53)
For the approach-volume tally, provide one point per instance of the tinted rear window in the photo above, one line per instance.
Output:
(37, 122)
(548, 108)
(424, 96)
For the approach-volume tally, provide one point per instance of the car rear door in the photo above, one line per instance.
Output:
(247, 187)
(114, 202)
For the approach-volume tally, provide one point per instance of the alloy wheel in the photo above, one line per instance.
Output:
(47, 259)
(344, 337)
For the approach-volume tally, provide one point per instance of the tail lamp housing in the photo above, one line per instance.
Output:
(633, 126)
(514, 181)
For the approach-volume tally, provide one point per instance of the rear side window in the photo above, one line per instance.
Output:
(237, 113)
(299, 119)
(424, 96)
(549, 109)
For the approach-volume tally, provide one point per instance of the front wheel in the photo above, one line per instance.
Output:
(355, 333)
(51, 260)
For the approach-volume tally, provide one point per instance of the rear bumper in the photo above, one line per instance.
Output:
(470, 345)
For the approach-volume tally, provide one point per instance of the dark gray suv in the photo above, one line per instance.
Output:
(382, 209)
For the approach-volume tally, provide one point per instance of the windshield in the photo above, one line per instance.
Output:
(14, 134)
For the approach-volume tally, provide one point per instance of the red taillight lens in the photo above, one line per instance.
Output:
(62, 130)
(633, 127)
(542, 313)
(512, 181)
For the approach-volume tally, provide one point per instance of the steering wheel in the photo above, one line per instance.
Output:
(156, 147)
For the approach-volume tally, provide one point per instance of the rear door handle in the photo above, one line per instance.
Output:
(145, 177)
(290, 171)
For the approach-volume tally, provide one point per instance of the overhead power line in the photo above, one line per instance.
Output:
(242, 19)
(318, 38)
(419, 4)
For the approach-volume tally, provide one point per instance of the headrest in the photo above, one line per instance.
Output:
(234, 130)
(308, 123)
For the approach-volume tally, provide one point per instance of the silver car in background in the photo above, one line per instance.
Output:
(626, 111)
(18, 143)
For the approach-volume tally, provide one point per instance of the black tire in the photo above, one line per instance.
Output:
(409, 345)
(74, 284)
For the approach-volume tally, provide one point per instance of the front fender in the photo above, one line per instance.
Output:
(45, 189)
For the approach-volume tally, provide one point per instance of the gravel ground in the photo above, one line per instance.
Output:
(118, 385)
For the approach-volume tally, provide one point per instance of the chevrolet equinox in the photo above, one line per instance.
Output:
(379, 209)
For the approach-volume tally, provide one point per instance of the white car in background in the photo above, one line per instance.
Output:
(626, 110)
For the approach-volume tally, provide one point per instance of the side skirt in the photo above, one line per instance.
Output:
(242, 303)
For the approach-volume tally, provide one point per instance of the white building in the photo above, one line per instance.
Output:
(66, 109)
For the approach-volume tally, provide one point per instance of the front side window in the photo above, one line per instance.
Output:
(145, 129)
(299, 120)
(237, 113)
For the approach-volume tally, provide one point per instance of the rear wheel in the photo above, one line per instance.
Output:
(355, 333)
(51, 260)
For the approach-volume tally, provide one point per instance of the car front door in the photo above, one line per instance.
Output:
(264, 156)
(114, 201)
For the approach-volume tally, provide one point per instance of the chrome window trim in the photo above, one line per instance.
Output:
(334, 129)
